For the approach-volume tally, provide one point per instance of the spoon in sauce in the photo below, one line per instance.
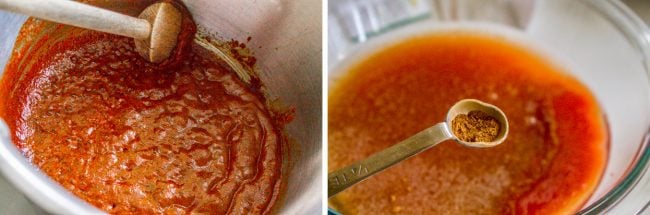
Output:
(155, 31)
(470, 122)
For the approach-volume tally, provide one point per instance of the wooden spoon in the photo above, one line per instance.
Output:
(155, 31)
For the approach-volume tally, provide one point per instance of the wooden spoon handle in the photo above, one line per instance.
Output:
(81, 15)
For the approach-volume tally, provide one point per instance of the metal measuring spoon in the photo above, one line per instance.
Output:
(343, 178)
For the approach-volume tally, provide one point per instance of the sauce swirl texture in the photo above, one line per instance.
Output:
(133, 137)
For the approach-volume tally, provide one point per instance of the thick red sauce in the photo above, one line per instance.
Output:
(133, 137)
(550, 163)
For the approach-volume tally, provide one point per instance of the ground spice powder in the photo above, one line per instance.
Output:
(475, 126)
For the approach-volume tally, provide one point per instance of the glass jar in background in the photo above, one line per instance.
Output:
(355, 21)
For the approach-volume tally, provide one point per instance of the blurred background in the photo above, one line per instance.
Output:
(641, 7)
(354, 21)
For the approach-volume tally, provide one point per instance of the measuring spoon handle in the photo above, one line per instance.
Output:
(341, 179)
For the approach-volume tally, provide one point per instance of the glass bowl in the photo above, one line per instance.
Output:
(290, 67)
(603, 43)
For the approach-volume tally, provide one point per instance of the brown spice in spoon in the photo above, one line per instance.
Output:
(475, 126)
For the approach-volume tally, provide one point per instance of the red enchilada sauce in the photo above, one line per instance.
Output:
(550, 162)
(133, 137)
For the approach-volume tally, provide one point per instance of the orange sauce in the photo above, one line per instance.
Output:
(130, 137)
(552, 159)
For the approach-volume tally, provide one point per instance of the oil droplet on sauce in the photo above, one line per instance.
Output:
(551, 161)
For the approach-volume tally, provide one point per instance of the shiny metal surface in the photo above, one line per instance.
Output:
(286, 40)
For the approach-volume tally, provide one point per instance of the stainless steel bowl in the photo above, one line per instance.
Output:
(286, 40)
